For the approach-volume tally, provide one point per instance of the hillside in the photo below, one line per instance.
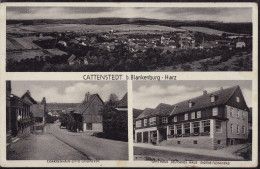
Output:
(61, 106)
(241, 28)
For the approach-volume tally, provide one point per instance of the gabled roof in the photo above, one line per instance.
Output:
(123, 102)
(27, 96)
(162, 109)
(85, 104)
(222, 96)
(136, 112)
(146, 112)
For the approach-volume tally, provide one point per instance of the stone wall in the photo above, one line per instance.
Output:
(190, 142)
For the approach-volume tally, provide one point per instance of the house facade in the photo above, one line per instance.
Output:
(38, 109)
(212, 121)
(20, 115)
(89, 113)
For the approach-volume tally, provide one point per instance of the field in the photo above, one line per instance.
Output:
(18, 56)
(23, 48)
(123, 28)
(24, 43)
(203, 30)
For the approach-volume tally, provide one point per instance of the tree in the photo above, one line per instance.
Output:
(115, 124)
(112, 100)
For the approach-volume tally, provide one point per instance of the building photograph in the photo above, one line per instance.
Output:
(195, 120)
(66, 120)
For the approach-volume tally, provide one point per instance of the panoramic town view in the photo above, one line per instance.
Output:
(95, 39)
(193, 121)
(66, 120)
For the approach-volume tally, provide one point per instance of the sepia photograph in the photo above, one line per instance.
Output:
(66, 120)
(128, 39)
(190, 120)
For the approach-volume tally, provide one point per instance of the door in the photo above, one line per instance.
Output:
(145, 137)
(139, 137)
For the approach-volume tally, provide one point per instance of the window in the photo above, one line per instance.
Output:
(212, 98)
(219, 141)
(138, 123)
(187, 128)
(238, 129)
(164, 120)
(244, 130)
(179, 128)
(243, 115)
(196, 127)
(171, 128)
(99, 118)
(195, 142)
(186, 116)
(178, 142)
(238, 112)
(145, 122)
(193, 115)
(231, 128)
(152, 120)
(231, 112)
(190, 104)
(206, 126)
(238, 99)
(215, 111)
(218, 126)
(175, 119)
(198, 114)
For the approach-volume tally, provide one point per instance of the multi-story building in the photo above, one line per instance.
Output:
(212, 120)
(20, 115)
(89, 113)
(38, 109)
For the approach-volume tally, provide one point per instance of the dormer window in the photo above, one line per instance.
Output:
(164, 120)
(175, 119)
(212, 98)
(190, 104)
(238, 99)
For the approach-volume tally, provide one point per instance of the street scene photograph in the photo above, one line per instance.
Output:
(66, 120)
(128, 39)
(192, 120)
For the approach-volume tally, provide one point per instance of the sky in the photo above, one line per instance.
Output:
(170, 13)
(68, 91)
(148, 94)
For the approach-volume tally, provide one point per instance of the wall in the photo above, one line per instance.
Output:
(97, 127)
(94, 109)
(206, 113)
(220, 138)
(236, 121)
(202, 142)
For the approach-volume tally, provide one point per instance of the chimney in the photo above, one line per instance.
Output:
(221, 88)
(44, 100)
(28, 92)
(87, 96)
(204, 92)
